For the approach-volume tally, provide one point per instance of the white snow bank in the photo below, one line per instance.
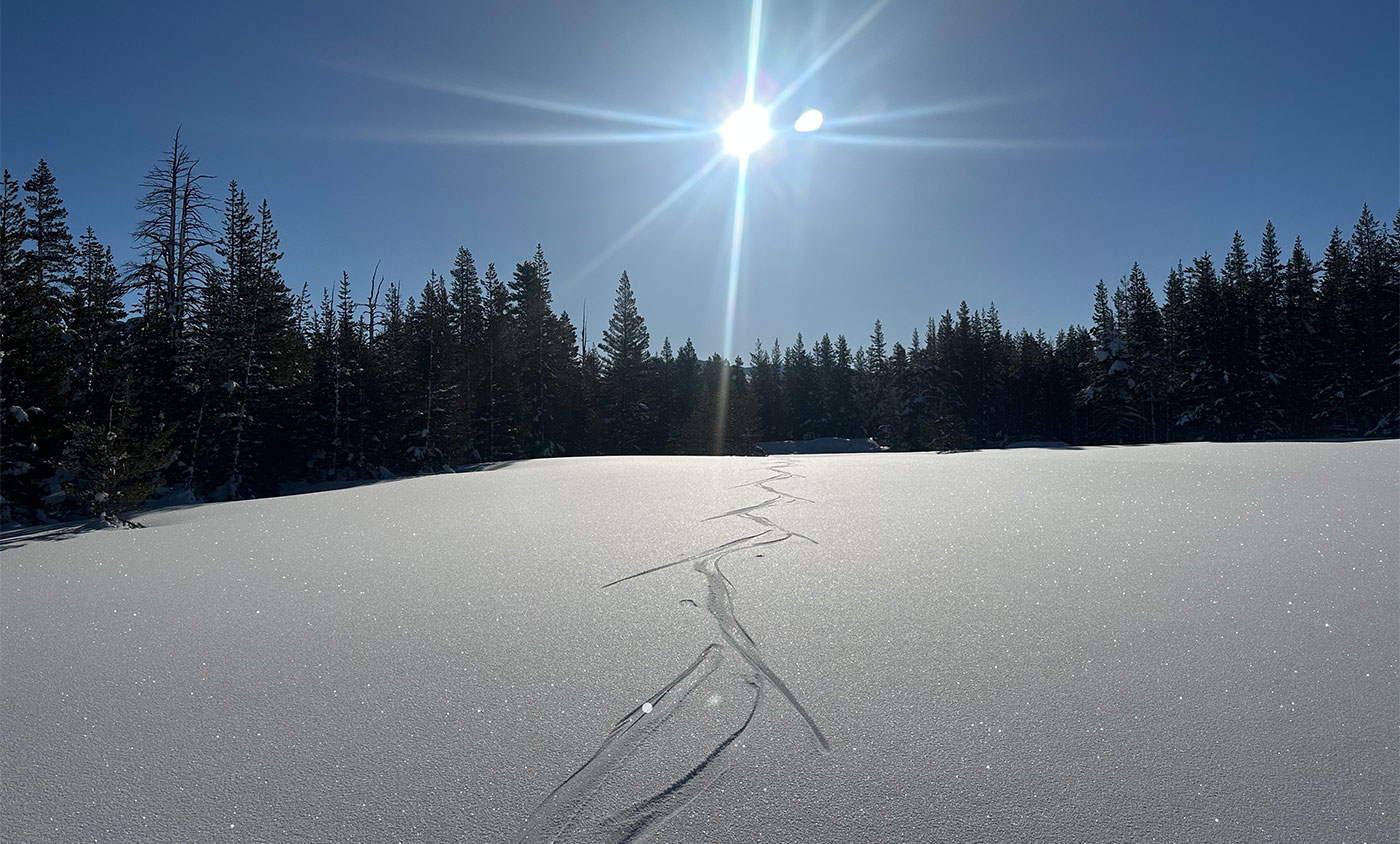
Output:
(1192, 642)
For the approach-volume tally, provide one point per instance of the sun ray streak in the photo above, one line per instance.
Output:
(649, 217)
(519, 100)
(755, 25)
(905, 142)
(736, 243)
(440, 137)
(933, 110)
(851, 32)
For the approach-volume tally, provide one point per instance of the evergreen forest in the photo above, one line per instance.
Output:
(199, 372)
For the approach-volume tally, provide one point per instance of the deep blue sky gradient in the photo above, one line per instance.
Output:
(1133, 131)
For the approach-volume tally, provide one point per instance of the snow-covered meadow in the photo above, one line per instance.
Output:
(1192, 642)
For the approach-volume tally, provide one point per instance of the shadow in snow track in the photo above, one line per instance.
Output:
(578, 809)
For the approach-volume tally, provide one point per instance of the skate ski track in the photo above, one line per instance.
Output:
(572, 812)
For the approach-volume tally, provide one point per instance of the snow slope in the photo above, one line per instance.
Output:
(1159, 643)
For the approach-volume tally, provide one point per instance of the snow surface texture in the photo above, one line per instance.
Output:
(1156, 643)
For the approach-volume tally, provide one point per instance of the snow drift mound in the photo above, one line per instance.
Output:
(1161, 643)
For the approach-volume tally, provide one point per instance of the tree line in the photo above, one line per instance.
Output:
(198, 371)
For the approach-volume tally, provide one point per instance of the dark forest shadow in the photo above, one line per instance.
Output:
(16, 537)
(54, 532)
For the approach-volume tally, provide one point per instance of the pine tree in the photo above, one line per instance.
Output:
(33, 377)
(1387, 389)
(1206, 383)
(565, 428)
(260, 360)
(1140, 324)
(113, 466)
(768, 391)
(93, 313)
(1176, 341)
(1109, 393)
(1374, 287)
(1337, 345)
(799, 381)
(544, 349)
(991, 377)
(1240, 345)
(14, 228)
(624, 351)
(28, 335)
(842, 389)
(53, 255)
(437, 438)
(1267, 372)
(532, 320)
(220, 340)
(347, 442)
(467, 325)
(394, 412)
(1299, 318)
(876, 383)
(725, 419)
(893, 413)
(499, 410)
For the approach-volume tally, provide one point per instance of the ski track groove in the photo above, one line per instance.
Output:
(560, 816)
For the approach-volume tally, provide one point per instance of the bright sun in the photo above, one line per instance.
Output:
(746, 130)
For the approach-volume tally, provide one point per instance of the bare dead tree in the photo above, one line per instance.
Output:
(376, 286)
(174, 235)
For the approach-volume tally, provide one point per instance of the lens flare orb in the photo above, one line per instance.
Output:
(746, 131)
(809, 121)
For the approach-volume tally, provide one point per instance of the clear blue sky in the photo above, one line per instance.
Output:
(1125, 131)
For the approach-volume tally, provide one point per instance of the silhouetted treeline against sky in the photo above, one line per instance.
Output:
(199, 371)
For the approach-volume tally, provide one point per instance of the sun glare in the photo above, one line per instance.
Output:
(746, 130)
